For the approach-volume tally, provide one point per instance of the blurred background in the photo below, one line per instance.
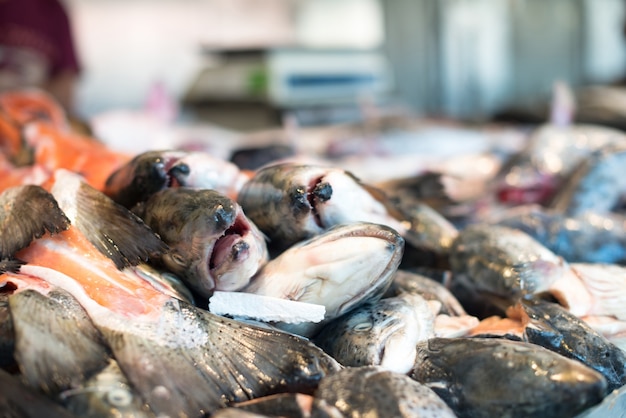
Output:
(248, 65)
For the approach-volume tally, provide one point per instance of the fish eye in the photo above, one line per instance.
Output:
(177, 258)
(363, 326)
(119, 397)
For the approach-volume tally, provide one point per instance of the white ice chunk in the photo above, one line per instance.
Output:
(264, 308)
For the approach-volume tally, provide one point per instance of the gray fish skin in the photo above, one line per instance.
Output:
(556, 329)
(212, 244)
(291, 202)
(381, 333)
(491, 377)
(56, 344)
(20, 401)
(596, 185)
(504, 261)
(341, 268)
(588, 237)
(106, 394)
(192, 362)
(373, 392)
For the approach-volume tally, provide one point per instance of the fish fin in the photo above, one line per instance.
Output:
(114, 230)
(192, 361)
(73, 349)
(29, 211)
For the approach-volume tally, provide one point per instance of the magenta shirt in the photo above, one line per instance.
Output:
(41, 26)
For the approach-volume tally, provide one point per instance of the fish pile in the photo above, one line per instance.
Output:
(409, 297)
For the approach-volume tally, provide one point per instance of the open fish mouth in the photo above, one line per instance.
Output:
(231, 246)
(173, 172)
(318, 192)
(236, 255)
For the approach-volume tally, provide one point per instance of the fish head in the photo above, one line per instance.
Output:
(291, 202)
(200, 170)
(143, 176)
(344, 266)
(213, 246)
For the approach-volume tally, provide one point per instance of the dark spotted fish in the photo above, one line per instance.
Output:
(291, 202)
(493, 377)
(553, 327)
(373, 391)
(153, 171)
(379, 333)
(505, 261)
(212, 244)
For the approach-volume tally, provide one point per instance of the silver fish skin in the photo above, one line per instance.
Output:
(504, 261)
(291, 202)
(381, 333)
(57, 346)
(596, 185)
(152, 171)
(212, 244)
(371, 391)
(606, 286)
(493, 377)
(20, 401)
(586, 238)
(553, 327)
(344, 266)
(106, 394)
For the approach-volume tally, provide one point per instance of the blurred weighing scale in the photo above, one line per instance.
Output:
(253, 89)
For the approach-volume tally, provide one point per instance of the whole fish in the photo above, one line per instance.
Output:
(596, 185)
(212, 244)
(587, 238)
(379, 333)
(505, 261)
(374, 392)
(553, 327)
(183, 361)
(489, 377)
(152, 171)
(290, 202)
(341, 268)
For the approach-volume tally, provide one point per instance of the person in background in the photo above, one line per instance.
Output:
(37, 49)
